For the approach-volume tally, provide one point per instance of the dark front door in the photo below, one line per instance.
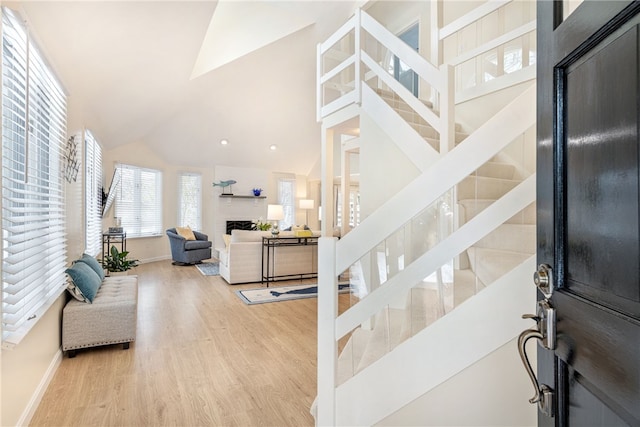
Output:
(588, 209)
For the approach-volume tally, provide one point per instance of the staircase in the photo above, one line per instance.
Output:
(413, 119)
(511, 243)
(454, 262)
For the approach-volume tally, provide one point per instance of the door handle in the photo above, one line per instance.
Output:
(545, 333)
(544, 394)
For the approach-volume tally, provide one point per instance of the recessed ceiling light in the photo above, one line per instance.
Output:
(273, 147)
(224, 141)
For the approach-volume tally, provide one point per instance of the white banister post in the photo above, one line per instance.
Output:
(345, 188)
(318, 84)
(327, 345)
(447, 109)
(436, 44)
(327, 166)
(357, 47)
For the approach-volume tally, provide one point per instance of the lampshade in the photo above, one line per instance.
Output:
(306, 204)
(275, 212)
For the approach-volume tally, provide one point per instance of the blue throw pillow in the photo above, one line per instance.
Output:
(93, 263)
(85, 279)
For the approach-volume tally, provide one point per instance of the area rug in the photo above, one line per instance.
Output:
(209, 268)
(283, 293)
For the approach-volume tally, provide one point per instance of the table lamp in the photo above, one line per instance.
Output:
(275, 213)
(306, 204)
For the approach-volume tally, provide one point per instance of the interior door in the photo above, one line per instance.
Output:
(588, 210)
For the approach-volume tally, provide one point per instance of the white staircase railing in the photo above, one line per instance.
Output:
(409, 370)
(432, 184)
(345, 72)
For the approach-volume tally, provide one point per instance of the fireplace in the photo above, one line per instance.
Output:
(240, 225)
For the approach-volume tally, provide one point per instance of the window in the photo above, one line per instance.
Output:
(139, 201)
(401, 71)
(93, 194)
(33, 205)
(354, 206)
(286, 198)
(190, 200)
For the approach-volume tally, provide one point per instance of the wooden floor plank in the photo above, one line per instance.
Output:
(201, 358)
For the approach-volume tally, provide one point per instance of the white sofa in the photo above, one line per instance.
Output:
(241, 257)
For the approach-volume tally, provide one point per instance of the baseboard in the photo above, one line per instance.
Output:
(36, 398)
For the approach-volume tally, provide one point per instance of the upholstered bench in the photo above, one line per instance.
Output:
(102, 313)
(110, 319)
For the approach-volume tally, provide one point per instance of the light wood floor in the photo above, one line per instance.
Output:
(201, 358)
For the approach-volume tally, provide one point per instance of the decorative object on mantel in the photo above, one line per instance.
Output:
(224, 185)
(235, 196)
(257, 191)
(72, 165)
(275, 213)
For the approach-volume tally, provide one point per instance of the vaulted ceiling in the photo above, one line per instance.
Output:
(179, 76)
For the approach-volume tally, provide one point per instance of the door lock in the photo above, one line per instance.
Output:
(543, 279)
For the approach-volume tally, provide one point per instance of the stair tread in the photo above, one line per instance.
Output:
(510, 237)
(491, 264)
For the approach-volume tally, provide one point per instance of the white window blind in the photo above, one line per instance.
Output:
(190, 200)
(286, 198)
(139, 201)
(33, 206)
(93, 194)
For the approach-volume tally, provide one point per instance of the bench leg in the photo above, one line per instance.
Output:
(71, 353)
(125, 345)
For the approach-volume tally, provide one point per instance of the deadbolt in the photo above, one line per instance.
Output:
(543, 279)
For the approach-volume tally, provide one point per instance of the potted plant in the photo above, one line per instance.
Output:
(260, 225)
(118, 262)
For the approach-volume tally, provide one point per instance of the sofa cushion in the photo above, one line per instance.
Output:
(93, 263)
(186, 233)
(227, 240)
(85, 279)
(196, 244)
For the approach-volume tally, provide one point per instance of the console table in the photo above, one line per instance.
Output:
(269, 252)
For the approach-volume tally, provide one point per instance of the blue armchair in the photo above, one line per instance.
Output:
(189, 251)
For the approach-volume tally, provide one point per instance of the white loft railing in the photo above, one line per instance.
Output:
(342, 60)
(494, 64)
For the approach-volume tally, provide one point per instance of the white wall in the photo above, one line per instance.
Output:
(472, 397)
(384, 169)
(27, 369)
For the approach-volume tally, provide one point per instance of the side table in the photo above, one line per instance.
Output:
(109, 239)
